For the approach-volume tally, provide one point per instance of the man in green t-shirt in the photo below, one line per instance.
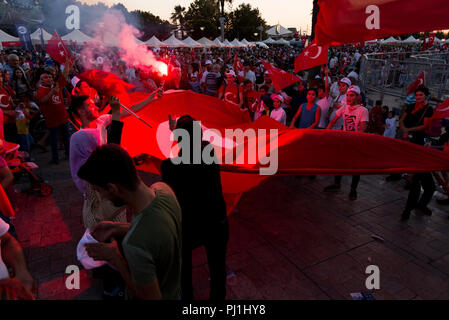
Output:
(151, 266)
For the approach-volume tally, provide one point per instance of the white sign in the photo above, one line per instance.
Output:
(73, 20)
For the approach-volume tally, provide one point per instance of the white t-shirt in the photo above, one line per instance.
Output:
(249, 75)
(4, 227)
(390, 127)
(352, 118)
(279, 115)
(339, 124)
(324, 105)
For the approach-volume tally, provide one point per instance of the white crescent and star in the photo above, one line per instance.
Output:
(1, 104)
(308, 51)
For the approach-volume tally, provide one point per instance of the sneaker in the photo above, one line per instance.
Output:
(353, 195)
(332, 188)
(424, 209)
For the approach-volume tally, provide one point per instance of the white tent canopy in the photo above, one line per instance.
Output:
(192, 43)
(282, 41)
(154, 42)
(78, 36)
(207, 43)
(237, 43)
(269, 41)
(218, 43)
(226, 43)
(410, 40)
(4, 37)
(390, 40)
(245, 42)
(35, 36)
(262, 45)
(172, 42)
(279, 31)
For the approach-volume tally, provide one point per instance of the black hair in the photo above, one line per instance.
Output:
(314, 90)
(77, 103)
(378, 102)
(110, 164)
(265, 88)
(423, 90)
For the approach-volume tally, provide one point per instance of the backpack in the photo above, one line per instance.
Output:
(211, 83)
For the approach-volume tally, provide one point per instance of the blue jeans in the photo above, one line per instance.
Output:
(54, 140)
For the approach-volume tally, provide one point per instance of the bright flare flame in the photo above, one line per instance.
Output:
(163, 69)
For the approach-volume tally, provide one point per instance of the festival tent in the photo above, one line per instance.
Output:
(207, 43)
(269, 41)
(192, 43)
(371, 42)
(36, 38)
(8, 40)
(390, 40)
(410, 40)
(237, 43)
(76, 36)
(279, 31)
(262, 45)
(283, 42)
(218, 43)
(155, 42)
(172, 42)
(245, 42)
(227, 44)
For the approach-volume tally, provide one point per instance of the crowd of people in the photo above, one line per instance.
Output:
(151, 254)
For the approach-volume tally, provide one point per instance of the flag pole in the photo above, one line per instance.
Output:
(135, 115)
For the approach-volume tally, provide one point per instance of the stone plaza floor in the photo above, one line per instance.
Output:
(288, 240)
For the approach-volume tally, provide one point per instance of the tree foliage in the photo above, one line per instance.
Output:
(202, 14)
(244, 23)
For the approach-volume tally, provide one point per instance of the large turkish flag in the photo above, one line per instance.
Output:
(348, 21)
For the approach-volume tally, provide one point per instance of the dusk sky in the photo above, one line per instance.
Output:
(289, 13)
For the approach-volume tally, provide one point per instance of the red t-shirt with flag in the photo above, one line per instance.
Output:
(5, 104)
(231, 92)
(54, 110)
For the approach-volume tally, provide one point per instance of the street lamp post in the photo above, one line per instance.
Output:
(222, 22)
(255, 34)
(260, 28)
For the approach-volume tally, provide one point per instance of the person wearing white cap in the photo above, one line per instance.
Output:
(343, 86)
(278, 113)
(355, 118)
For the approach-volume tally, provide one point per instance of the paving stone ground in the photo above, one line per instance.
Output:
(288, 240)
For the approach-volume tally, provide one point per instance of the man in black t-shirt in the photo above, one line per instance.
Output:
(413, 122)
(204, 221)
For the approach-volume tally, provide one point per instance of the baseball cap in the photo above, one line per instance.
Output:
(208, 62)
(277, 96)
(355, 89)
(230, 72)
(346, 81)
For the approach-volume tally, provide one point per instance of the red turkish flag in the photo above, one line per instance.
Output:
(312, 56)
(280, 78)
(5, 99)
(296, 149)
(442, 110)
(238, 66)
(420, 81)
(107, 84)
(347, 21)
(57, 49)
